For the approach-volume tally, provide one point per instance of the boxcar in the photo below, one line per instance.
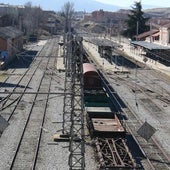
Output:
(91, 77)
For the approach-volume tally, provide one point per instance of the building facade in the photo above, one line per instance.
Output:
(165, 34)
(11, 43)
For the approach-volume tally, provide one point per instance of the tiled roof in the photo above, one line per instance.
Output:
(167, 25)
(146, 34)
(9, 32)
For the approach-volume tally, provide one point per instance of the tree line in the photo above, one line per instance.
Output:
(30, 18)
(137, 22)
(27, 18)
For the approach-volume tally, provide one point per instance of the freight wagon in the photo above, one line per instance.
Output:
(105, 128)
(102, 120)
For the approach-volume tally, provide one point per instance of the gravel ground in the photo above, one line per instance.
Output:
(52, 155)
(152, 110)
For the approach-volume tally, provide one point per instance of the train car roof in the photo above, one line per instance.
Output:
(87, 67)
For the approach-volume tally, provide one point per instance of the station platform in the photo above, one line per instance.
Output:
(60, 65)
(60, 60)
(127, 50)
(108, 67)
(136, 54)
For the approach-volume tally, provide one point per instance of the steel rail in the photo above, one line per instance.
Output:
(20, 97)
(16, 86)
(42, 124)
(13, 91)
(142, 91)
(140, 123)
(24, 92)
(26, 125)
(124, 112)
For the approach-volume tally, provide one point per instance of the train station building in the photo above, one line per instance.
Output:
(155, 44)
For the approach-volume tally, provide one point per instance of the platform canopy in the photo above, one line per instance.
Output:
(149, 45)
(104, 42)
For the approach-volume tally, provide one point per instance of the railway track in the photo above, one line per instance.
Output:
(34, 96)
(31, 94)
(20, 84)
(22, 59)
(113, 152)
(11, 76)
(34, 123)
(154, 150)
(154, 156)
(154, 82)
(143, 88)
(32, 126)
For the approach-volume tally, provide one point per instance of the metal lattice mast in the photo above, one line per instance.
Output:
(67, 107)
(77, 147)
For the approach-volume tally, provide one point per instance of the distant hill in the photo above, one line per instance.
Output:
(152, 13)
(90, 6)
(158, 12)
(79, 5)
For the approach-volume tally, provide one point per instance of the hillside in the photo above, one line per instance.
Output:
(158, 12)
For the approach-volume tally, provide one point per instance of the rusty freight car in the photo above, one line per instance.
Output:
(104, 126)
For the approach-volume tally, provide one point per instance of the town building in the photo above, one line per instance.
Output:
(165, 34)
(10, 9)
(11, 43)
(155, 44)
(159, 35)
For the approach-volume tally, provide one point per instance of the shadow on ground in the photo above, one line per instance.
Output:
(11, 85)
(22, 60)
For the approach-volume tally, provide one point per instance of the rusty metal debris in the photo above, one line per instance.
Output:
(113, 153)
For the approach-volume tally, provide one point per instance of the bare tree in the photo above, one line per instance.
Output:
(30, 18)
(68, 11)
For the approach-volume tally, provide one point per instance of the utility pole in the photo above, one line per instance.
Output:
(77, 143)
(137, 28)
(150, 36)
(73, 109)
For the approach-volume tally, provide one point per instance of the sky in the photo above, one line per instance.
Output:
(56, 5)
(127, 3)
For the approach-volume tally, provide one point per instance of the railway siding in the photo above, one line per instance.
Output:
(21, 88)
(32, 87)
(156, 158)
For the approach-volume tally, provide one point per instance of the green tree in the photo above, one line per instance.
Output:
(136, 22)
